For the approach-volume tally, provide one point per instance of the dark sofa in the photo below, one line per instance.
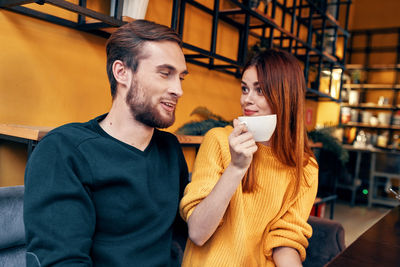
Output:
(327, 240)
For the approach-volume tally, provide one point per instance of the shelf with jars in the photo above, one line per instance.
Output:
(371, 99)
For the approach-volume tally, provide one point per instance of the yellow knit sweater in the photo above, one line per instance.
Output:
(254, 223)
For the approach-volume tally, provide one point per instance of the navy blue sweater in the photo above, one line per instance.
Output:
(92, 200)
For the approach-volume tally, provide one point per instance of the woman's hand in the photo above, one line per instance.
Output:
(242, 146)
(209, 212)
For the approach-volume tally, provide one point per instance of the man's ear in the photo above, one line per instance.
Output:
(122, 74)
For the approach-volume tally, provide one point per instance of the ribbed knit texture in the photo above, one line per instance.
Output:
(254, 223)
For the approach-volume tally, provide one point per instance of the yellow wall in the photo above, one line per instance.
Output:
(51, 75)
(368, 14)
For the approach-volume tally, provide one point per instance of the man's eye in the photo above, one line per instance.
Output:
(164, 73)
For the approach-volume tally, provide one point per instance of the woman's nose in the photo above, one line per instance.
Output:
(249, 98)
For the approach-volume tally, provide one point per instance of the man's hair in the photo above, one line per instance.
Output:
(126, 44)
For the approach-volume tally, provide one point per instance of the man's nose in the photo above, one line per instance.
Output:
(176, 88)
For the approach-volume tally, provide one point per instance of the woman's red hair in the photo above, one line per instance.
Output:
(282, 81)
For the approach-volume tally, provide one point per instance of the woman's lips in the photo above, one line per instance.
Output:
(249, 112)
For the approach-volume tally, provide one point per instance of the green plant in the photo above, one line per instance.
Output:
(329, 143)
(209, 121)
(259, 46)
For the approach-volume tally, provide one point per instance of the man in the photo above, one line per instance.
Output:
(106, 192)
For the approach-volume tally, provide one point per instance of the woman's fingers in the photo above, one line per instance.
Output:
(243, 137)
(238, 127)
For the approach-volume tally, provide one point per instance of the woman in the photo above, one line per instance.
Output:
(248, 203)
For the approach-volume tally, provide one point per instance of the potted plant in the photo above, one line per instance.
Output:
(209, 121)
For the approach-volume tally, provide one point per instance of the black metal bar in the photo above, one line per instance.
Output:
(195, 56)
(224, 66)
(272, 24)
(208, 54)
(343, 60)
(214, 30)
(321, 48)
(84, 11)
(346, 23)
(397, 78)
(282, 22)
(324, 15)
(174, 16)
(368, 49)
(292, 25)
(309, 43)
(298, 26)
(273, 13)
(119, 6)
(87, 27)
(243, 56)
(43, 16)
(202, 64)
(181, 17)
(81, 18)
(12, 3)
(350, 51)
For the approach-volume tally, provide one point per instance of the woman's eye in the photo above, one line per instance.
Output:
(245, 89)
(259, 91)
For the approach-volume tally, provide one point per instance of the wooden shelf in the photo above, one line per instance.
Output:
(367, 125)
(370, 106)
(373, 67)
(372, 86)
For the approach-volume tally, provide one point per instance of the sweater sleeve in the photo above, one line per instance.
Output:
(59, 215)
(292, 229)
(208, 168)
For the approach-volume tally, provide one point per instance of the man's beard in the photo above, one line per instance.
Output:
(143, 111)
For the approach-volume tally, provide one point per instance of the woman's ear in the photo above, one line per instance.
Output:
(121, 73)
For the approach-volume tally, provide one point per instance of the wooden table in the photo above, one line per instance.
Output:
(378, 246)
(31, 135)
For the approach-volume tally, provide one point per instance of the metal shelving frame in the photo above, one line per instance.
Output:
(104, 21)
(305, 14)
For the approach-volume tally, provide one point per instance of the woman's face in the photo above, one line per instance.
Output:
(252, 100)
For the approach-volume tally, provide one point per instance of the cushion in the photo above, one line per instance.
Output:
(326, 242)
(13, 257)
(12, 231)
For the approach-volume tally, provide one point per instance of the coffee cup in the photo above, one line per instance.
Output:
(262, 127)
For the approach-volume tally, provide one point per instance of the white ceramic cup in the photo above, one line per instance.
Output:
(354, 97)
(262, 127)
